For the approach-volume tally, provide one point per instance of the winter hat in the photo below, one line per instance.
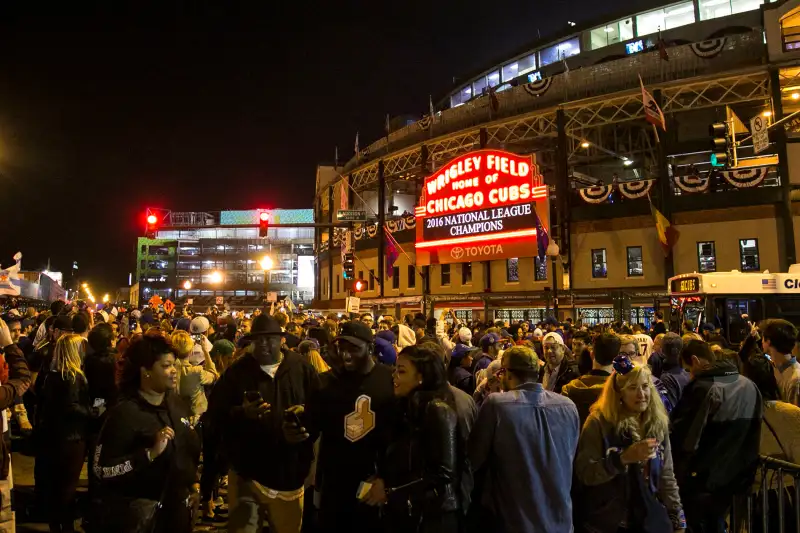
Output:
(223, 347)
(183, 324)
(465, 335)
(405, 336)
(199, 325)
(538, 332)
(385, 351)
(387, 335)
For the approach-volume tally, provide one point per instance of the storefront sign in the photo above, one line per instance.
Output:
(480, 206)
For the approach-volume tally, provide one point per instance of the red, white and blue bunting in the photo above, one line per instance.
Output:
(746, 178)
(692, 183)
(708, 49)
(425, 123)
(595, 195)
(360, 231)
(635, 189)
(539, 87)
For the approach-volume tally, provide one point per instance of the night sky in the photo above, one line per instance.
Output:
(105, 110)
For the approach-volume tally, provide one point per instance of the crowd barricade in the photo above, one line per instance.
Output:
(771, 506)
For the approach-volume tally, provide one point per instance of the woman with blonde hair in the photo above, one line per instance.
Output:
(166, 327)
(624, 463)
(309, 349)
(192, 378)
(62, 418)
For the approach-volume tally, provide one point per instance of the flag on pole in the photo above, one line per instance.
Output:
(336, 158)
(387, 127)
(652, 112)
(667, 235)
(392, 253)
(10, 284)
(662, 48)
(343, 193)
(495, 103)
(542, 238)
(356, 147)
(430, 106)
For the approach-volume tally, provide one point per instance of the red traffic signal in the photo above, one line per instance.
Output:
(152, 226)
(359, 285)
(263, 224)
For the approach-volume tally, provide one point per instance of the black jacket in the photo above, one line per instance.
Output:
(62, 409)
(121, 462)
(567, 371)
(716, 431)
(424, 463)
(100, 370)
(257, 449)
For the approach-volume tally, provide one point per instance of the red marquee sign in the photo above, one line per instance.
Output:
(480, 206)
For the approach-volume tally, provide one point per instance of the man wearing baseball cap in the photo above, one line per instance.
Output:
(247, 407)
(353, 410)
(489, 351)
(537, 438)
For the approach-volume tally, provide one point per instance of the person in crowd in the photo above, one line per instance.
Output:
(192, 379)
(673, 376)
(624, 462)
(405, 336)
(147, 453)
(558, 370)
(489, 381)
(716, 428)
(13, 388)
(586, 390)
(353, 411)
(778, 339)
(385, 350)
(310, 351)
(458, 372)
(656, 359)
(199, 329)
(247, 406)
(293, 335)
(581, 344)
(659, 327)
(526, 438)
(367, 319)
(62, 416)
(222, 354)
(644, 341)
(489, 349)
(422, 483)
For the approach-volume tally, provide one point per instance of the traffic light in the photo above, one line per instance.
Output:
(721, 145)
(359, 285)
(152, 226)
(349, 266)
(263, 224)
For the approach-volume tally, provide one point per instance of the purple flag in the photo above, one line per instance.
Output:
(542, 239)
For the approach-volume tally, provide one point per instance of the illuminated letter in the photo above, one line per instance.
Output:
(524, 191)
(523, 169)
(432, 186)
(476, 162)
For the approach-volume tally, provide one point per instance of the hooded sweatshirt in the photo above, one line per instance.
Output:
(586, 390)
(405, 336)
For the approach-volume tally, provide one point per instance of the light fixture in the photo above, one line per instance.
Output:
(215, 277)
(570, 23)
(795, 96)
(85, 285)
(187, 284)
(627, 162)
(766, 113)
(266, 263)
(608, 29)
(106, 298)
(585, 144)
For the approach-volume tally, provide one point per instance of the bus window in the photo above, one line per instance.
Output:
(738, 327)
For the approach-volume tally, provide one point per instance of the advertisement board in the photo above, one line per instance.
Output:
(480, 206)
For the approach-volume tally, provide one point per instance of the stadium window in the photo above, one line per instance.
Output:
(445, 274)
(706, 257)
(616, 32)
(540, 269)
(479, 86)
(395, 277)
(512, 269)
(412, 277)
(665, 19)
(790, 30)
(494, 78)
(635, 262)
(461, 97)
(599, 265)
(466, 273)
(748, 255)
(560, 51)
(519, 67)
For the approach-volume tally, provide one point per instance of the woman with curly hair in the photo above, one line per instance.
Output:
(624, 463)
(147, 453)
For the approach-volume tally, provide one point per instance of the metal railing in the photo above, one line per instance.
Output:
(773, 506)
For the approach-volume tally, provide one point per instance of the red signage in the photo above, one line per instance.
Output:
(482, 205)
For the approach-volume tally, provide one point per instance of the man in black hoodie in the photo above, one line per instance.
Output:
(247, 406)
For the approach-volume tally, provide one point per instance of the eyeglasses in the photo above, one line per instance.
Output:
(628, 354)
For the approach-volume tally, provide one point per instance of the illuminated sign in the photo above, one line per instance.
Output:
(683, 285)
(482, 205)
(634, 47)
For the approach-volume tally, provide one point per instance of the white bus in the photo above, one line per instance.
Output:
(732, 299)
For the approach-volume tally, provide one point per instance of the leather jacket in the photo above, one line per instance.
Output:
(427, 461)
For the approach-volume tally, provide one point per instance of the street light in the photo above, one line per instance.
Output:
(187, 284)
(106, 298)
(85, 285)
(216, 277)
(266, 263)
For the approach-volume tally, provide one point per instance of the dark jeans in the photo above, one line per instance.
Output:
(705, 513)
(59, 464)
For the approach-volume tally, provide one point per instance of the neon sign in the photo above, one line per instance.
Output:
(487, 195)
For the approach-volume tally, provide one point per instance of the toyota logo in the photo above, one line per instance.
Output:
(457, 252)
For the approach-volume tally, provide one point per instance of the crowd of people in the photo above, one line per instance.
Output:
(418, 424)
